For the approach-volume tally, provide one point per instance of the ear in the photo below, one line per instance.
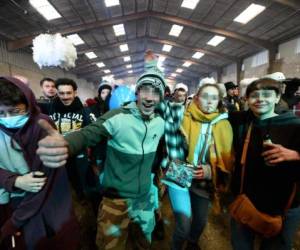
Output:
(75, 92)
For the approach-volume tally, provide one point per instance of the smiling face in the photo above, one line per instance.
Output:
(66, 94)
(262, 102)
(147, 98)
(208, 99)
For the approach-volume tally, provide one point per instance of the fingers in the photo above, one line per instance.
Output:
(47, 127)
(53, 141)
(54, 164)
(56, 151)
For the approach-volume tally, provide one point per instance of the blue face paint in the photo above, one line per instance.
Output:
(17, 121)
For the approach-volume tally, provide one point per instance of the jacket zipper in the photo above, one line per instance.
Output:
(142, 160)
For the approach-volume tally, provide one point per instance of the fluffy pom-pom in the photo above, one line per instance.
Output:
(54, 50)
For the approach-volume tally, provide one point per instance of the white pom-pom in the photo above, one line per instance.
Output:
(54, 50)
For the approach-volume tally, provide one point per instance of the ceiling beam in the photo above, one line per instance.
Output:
(295, 4)
(27, 41)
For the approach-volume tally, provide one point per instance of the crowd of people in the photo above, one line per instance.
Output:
(199, 148)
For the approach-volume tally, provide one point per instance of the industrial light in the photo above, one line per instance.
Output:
(252, 11)
(216, 40)
(126, 58)
(110, 3)
(167, 47)
(187, 64)
(198, 55)
(190, 4)
(75, 39)
(128, 66)
(173, 74)
(179, 70)
(119, 29)
(100, 64)
(130, 71)
(91, 55)
(106, 71)
(175, 30)
(123, 47)
(45, 9)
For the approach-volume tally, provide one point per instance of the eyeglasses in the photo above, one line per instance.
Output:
(12, 112)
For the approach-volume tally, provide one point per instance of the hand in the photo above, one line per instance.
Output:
(53, 149)
(276, 153)
(199, 173)
(29, 183)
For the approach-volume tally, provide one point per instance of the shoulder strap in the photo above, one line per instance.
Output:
(244, 156)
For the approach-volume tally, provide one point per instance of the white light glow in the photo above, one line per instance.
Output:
(187, 64)
(119, 29)
(167, 47)
(175, 30)
(123, 47)
(248, 14)
(110, 3)
(130, 71)
(179, 70)
(100, 65)
(91, 55)
(106, 71)
(75, 39)
(173, 74)
(45, 9)
(198, 55)
(216, 40)
(126, 58)
(128, 66)
(190, 4)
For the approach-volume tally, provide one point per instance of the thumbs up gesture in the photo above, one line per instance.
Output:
(53, 149)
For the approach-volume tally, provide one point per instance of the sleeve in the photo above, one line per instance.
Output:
(92, 134)
(7, 180)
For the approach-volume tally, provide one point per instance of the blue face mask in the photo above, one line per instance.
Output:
(17, 121)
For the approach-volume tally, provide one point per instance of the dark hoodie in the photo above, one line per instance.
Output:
(268, 187)
(48, 213)
(68, 118)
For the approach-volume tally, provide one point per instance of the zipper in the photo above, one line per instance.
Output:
(142, 160)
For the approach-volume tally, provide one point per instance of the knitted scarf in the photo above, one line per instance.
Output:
(221, 155)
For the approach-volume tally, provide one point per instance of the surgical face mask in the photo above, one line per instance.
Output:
(17, 121)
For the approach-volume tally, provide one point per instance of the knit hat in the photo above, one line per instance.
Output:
(104, 85)
(206, 80)
(181, 86)
(230, 85)
(152, 76)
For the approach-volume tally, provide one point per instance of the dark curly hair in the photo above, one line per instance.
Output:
(65, 81)
(10, 94)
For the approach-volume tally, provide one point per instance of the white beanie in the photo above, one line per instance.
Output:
(181, 86)
(278, 76)
(206, 80)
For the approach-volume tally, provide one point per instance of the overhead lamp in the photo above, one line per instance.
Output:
(130, 71)
(179, 70)
(119, 29)
(189, 4)
(198, 55)
(248, 14)
(45, 9)
(75, 39)
(175, 30)
(123, 47)
(187, 64)
(100, 65)
(173, 74)
(91, 55)
(128, 66)
(106, 71)
(110, 3)
(167, 47)
(216, 40)
(126, 58)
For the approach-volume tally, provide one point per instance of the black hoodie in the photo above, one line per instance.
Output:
(268, 187)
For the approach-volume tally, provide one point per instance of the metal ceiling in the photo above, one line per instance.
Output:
(147, 24)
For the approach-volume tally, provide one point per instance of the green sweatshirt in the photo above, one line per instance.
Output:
(131, 148)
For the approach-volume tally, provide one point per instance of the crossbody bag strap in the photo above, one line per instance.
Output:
(244, 155)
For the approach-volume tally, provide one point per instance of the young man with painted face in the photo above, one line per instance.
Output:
(35, 210)
(126, 214)
(271, 169)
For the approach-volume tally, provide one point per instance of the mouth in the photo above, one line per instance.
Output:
(148, 105)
